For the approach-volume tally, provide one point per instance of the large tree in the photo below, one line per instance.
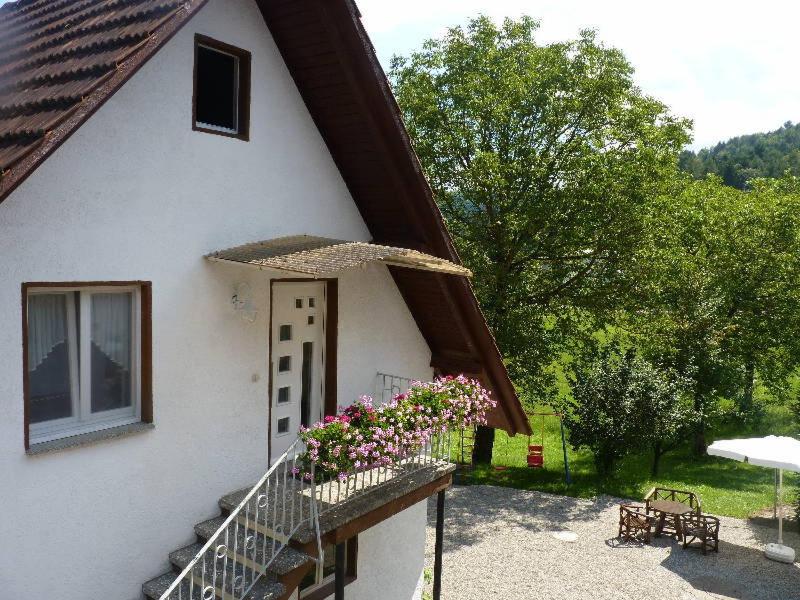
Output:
(715, 287)
(542, 158)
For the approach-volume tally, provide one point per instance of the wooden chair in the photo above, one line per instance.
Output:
(635, 524)
(702, 528)
(672, 525)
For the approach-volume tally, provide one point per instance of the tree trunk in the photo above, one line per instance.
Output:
(604, 463)
(658, 452)
(746, 405)
(484, 444)
(699, 441)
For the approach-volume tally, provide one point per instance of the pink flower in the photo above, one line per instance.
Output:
(369, 437)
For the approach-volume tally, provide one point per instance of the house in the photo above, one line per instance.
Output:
(213, 229)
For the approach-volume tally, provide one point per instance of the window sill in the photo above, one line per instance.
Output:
(85, 439)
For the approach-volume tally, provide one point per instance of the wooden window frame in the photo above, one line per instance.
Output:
(244, 59)
(143, 313)
(327, 588)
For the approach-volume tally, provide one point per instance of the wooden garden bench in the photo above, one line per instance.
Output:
(669, 506)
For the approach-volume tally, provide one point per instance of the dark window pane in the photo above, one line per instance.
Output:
(48, 342)
(284, 364)
(298, 303)
(311, 302)
(283, 425)
(328, 569)
(111, 351)
(216, 99)
(284, 395)
(310, 319)
(329, 562)
(305, 392)
(285, 333)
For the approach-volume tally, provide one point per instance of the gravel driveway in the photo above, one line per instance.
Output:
(525, 545)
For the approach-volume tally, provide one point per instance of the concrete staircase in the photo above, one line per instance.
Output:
(279, 580)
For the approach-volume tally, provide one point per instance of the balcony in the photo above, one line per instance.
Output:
(270, 535)
(338, 479)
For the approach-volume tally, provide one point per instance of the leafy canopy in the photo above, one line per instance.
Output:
(542, 158)
(715, 286)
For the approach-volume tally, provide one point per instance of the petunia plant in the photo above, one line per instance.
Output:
(363, 436)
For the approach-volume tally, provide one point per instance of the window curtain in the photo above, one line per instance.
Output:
(47, 326)
(111, 326)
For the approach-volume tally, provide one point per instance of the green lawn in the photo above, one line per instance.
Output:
(726, 487)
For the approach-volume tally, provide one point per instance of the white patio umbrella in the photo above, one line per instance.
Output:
(781, 453)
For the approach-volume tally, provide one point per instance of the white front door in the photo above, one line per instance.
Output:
(298, 316)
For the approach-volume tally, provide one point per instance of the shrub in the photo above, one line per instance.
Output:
(623, 403)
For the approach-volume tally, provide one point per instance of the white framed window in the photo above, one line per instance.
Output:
(83, 357)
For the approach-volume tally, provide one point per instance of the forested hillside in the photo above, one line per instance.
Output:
(746, 157)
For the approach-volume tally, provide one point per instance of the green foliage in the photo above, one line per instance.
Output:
(427, 574)
(542, 158)
(621, 404)
(559, 181)
(714, 290)
(742, 159)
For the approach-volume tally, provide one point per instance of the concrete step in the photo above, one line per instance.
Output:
(277, 520)
(266, 588)
(286, 558)
(154, 588)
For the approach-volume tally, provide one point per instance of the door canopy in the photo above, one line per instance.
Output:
(321, 257)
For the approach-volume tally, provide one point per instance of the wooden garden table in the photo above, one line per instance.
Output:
(673, 510)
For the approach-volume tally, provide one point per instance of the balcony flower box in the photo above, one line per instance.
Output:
(363, 437)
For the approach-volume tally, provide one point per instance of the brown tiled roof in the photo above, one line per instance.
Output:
(319, 256)
(55, 55)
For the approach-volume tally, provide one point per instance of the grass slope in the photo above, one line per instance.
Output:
(726, 487)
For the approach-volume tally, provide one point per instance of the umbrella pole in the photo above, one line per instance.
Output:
(778, 551)
(775, 506)
(780, 506)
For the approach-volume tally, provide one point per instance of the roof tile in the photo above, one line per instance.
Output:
(55, 53)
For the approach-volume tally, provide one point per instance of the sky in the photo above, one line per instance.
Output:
(730, 66)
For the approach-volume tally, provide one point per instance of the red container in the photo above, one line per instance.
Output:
(535, 461)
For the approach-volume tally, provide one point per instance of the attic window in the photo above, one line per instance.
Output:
(221, 89)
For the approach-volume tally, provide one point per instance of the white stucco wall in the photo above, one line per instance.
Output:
(136, 195)
(391, 556)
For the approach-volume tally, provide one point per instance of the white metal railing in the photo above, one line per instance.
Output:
(388, 386)
(239, 554)
(333, 491)
(235, 558)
